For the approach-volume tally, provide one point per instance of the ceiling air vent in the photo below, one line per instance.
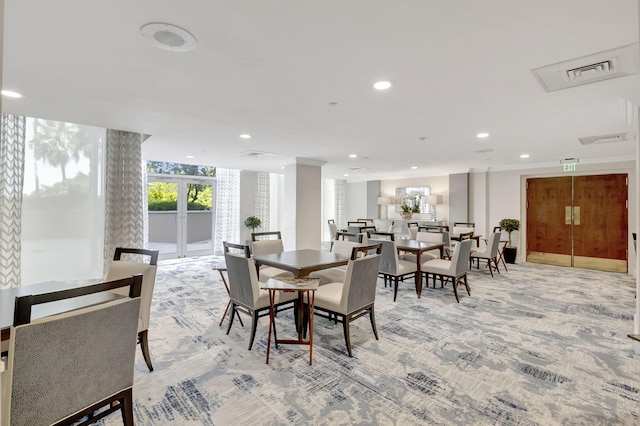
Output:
(599, 66)
(256, 154)
(593, 140)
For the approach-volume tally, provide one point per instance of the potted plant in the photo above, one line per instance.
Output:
(253, 223)
(510, 251)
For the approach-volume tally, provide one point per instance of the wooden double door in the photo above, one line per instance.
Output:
(579, 221)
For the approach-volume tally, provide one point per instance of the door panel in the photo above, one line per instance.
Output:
(548, 234)
(600, 238)
(579, 221)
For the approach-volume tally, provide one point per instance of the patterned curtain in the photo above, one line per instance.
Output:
(12, 138)
(227, 225)
(125, 193)
(340, 203)
(262, 197)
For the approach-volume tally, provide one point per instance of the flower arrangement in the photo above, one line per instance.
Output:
(410, 204)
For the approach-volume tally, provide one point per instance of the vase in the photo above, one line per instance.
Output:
(406, 215)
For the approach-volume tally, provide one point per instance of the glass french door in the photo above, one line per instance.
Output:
(181, 215)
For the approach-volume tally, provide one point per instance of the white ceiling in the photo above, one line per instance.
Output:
(272, 68)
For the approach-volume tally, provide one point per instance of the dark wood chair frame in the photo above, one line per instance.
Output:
(255, 235)
(122, 400)
(255, 314)
(143, 336)
(346, 320)
(391, 235)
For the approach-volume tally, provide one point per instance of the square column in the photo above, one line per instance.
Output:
(303, 204)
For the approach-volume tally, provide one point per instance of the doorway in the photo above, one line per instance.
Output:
(578, 221)
(181, 215)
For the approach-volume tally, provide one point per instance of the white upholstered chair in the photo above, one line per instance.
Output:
(245, 292)
(490, 253)
(392, 268)
(336, 274)
(79, 363)
(353, 297)
(119, 269)
(456, 268)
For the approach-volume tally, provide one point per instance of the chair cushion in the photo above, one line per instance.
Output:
(271, 272)
(405, 267)
(330, 275)
(119, 269)
(329, 297)
(457, 230)
(437, 266)
(281, 297)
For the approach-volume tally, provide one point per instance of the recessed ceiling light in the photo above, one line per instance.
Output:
(482, 135)
(353, 155)
(333, 104)
(524, 156)
(168, 37)
(345, 175)
(244, 136)
(10, 94)
(414, 167)
(382, 85)
(190, 156)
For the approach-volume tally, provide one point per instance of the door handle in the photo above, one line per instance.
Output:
(567, 215)
(576, 215)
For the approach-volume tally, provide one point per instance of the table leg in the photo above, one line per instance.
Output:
(418, 275)
(312, 299)
(272, 296)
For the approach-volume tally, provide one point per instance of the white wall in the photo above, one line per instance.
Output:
(356, 202)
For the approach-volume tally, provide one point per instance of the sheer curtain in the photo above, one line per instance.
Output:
(12, 140)
(340, 203)
(262, 200)
(227, 208)
(125, 193)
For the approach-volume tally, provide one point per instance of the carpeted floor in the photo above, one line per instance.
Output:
(538, 345)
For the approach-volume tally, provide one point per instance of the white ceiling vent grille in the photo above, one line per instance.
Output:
(256, 154)
(593, 140)
(589, 69)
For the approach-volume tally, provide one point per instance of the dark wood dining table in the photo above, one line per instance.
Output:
(418, 247)
(302, 262)
(8, 297)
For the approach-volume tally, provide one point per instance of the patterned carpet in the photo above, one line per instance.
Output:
(538, 345)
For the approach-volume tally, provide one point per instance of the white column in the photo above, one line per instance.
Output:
(302, 204)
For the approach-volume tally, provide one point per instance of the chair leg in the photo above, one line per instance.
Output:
(233, 312)
(496, 262)
(254, 325)
(126, 406)
(455, 288)
(395, 289)
(466, 285)
(143, 339)
(373, 322)
(347, 337)
(490, 268)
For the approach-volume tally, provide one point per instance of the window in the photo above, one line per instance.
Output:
(63, 204)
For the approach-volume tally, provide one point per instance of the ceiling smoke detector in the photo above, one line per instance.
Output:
(599, 66)
(169, 37)
(593, 140)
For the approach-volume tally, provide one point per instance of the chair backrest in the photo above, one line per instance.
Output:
(393, 222)
(266, 247)
(412, 224)
(369, 222)
(497, 229)
(465, 224)
(360, 280)
(333, 228)
(389, 256)
(344, 247)
(351, 236)
(62, 364)
(413, 231)
(270, 235)
(119, 269)
(239, 248)
(430, 237)
(635, 242)
(458, 230)
(494, 243)
(244, 287)
(387, 236)
(460, 257)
